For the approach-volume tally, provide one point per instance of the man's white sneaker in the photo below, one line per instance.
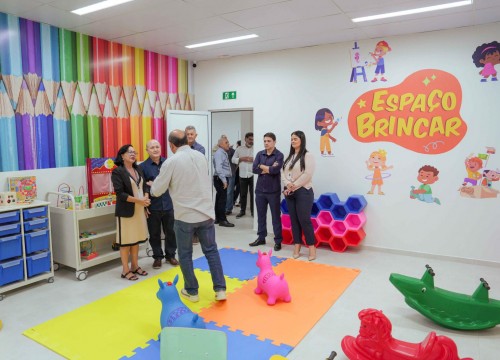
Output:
(220, 295)
(192, 298)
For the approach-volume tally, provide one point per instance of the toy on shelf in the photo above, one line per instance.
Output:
(173, 311)
(268, 282)
(24, 187)
(375, 341)
(87, 249)
(337, 224)
(447, 308)
(101, 192)
(7, 198)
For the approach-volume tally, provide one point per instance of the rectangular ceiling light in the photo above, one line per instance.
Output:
(99, 6)
(414, 11)
(222, 41)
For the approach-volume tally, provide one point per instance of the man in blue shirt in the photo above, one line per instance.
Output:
(222, 173)
(161, 210)
(267, 165)
(191, 136)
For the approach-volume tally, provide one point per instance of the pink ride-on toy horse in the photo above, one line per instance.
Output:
(268, 282)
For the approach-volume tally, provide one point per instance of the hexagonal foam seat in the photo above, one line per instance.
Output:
(324, 218)
(284, 207)
(286, 223)
(287, 236)
(338, 228)
(323, 234)
(355, 221)
(337, 244)
(354, 237)
(315, 208)
(327, 200)
(314, 221)
(355, 203)
(339, 211)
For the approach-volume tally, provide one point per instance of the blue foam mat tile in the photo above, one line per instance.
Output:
(237, 264)
(150, 352)
(248, 347)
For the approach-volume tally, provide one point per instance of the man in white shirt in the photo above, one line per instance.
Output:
(185, 175)
(243, 157)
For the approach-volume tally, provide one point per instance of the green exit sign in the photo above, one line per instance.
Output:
(229, 95)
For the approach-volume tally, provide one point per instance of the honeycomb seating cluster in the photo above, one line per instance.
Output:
(337, 224)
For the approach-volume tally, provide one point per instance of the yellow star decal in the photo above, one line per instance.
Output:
(362, 103)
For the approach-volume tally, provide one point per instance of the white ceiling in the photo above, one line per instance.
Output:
(166, 26)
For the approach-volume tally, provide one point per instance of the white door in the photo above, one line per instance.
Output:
(201, 120)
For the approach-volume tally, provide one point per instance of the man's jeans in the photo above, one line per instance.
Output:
(206, 233)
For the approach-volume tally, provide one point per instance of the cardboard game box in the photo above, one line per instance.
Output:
(24, 187)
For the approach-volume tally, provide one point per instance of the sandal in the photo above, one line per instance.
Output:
(139, 271)
(132, 277)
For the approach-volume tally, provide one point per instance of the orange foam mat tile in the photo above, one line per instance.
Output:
(314, 289)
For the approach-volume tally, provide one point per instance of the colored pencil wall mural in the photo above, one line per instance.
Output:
(66, 96)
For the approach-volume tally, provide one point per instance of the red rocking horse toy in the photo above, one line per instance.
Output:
(376, 342)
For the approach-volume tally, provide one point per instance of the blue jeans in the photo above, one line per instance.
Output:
(230, 193)
(206, 233)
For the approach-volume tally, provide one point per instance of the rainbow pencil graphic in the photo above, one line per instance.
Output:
(10, 57)
(83, 61)
(94, 119)
(31, 53)
(123, 124)
(8, 140)
(162, 81)
(190, 97)
(62, 133)
(109, 131)
(44, 131)
(67, 61)
(51, 78)
(146, 126)
(159, 127)
(182, 82)
(151, 77)
(140, 84)
(128, 69)
(79, 131)
(101, 69)
(115, 73)
(25, 128)
(172, 83)
(135, 126)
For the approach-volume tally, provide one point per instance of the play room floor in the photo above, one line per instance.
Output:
(28, 306)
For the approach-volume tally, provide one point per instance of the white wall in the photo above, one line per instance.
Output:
(233, 124)
(286, 88)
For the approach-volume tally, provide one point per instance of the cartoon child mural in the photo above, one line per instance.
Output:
(325, 124)
(487, 56)
(489, 176)
(427, 175)
(377, 163)
(381, 49)
(472, 165)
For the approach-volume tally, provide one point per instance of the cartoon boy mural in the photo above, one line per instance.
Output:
(487, 56)
(472, 165)
(377, 163)
(427, 175)
(381, 49)
(325, 124)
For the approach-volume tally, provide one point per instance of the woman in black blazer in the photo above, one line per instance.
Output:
(131, 202)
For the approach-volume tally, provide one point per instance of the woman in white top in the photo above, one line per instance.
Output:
(298, 170)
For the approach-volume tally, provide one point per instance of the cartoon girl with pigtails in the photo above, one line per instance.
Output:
(487, 56)
(377, 163)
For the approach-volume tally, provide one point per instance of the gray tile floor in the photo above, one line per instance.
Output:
(29, 306)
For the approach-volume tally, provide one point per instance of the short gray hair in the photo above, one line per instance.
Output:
(190, 127)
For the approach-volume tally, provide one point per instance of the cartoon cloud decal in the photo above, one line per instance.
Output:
(421, 114)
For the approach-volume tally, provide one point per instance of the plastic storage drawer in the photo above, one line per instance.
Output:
(35, 212)
(36, 241)
(38, 263)
(9, 217)
(11, 271)
(36, 224)
(10, 247)
(10, 229)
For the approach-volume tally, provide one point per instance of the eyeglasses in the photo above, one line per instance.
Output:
(132, 152)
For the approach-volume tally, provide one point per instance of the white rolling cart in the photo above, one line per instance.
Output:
(68, 224)
(25, 245)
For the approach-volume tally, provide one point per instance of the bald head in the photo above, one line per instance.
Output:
(153, 148)
(176, 139)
